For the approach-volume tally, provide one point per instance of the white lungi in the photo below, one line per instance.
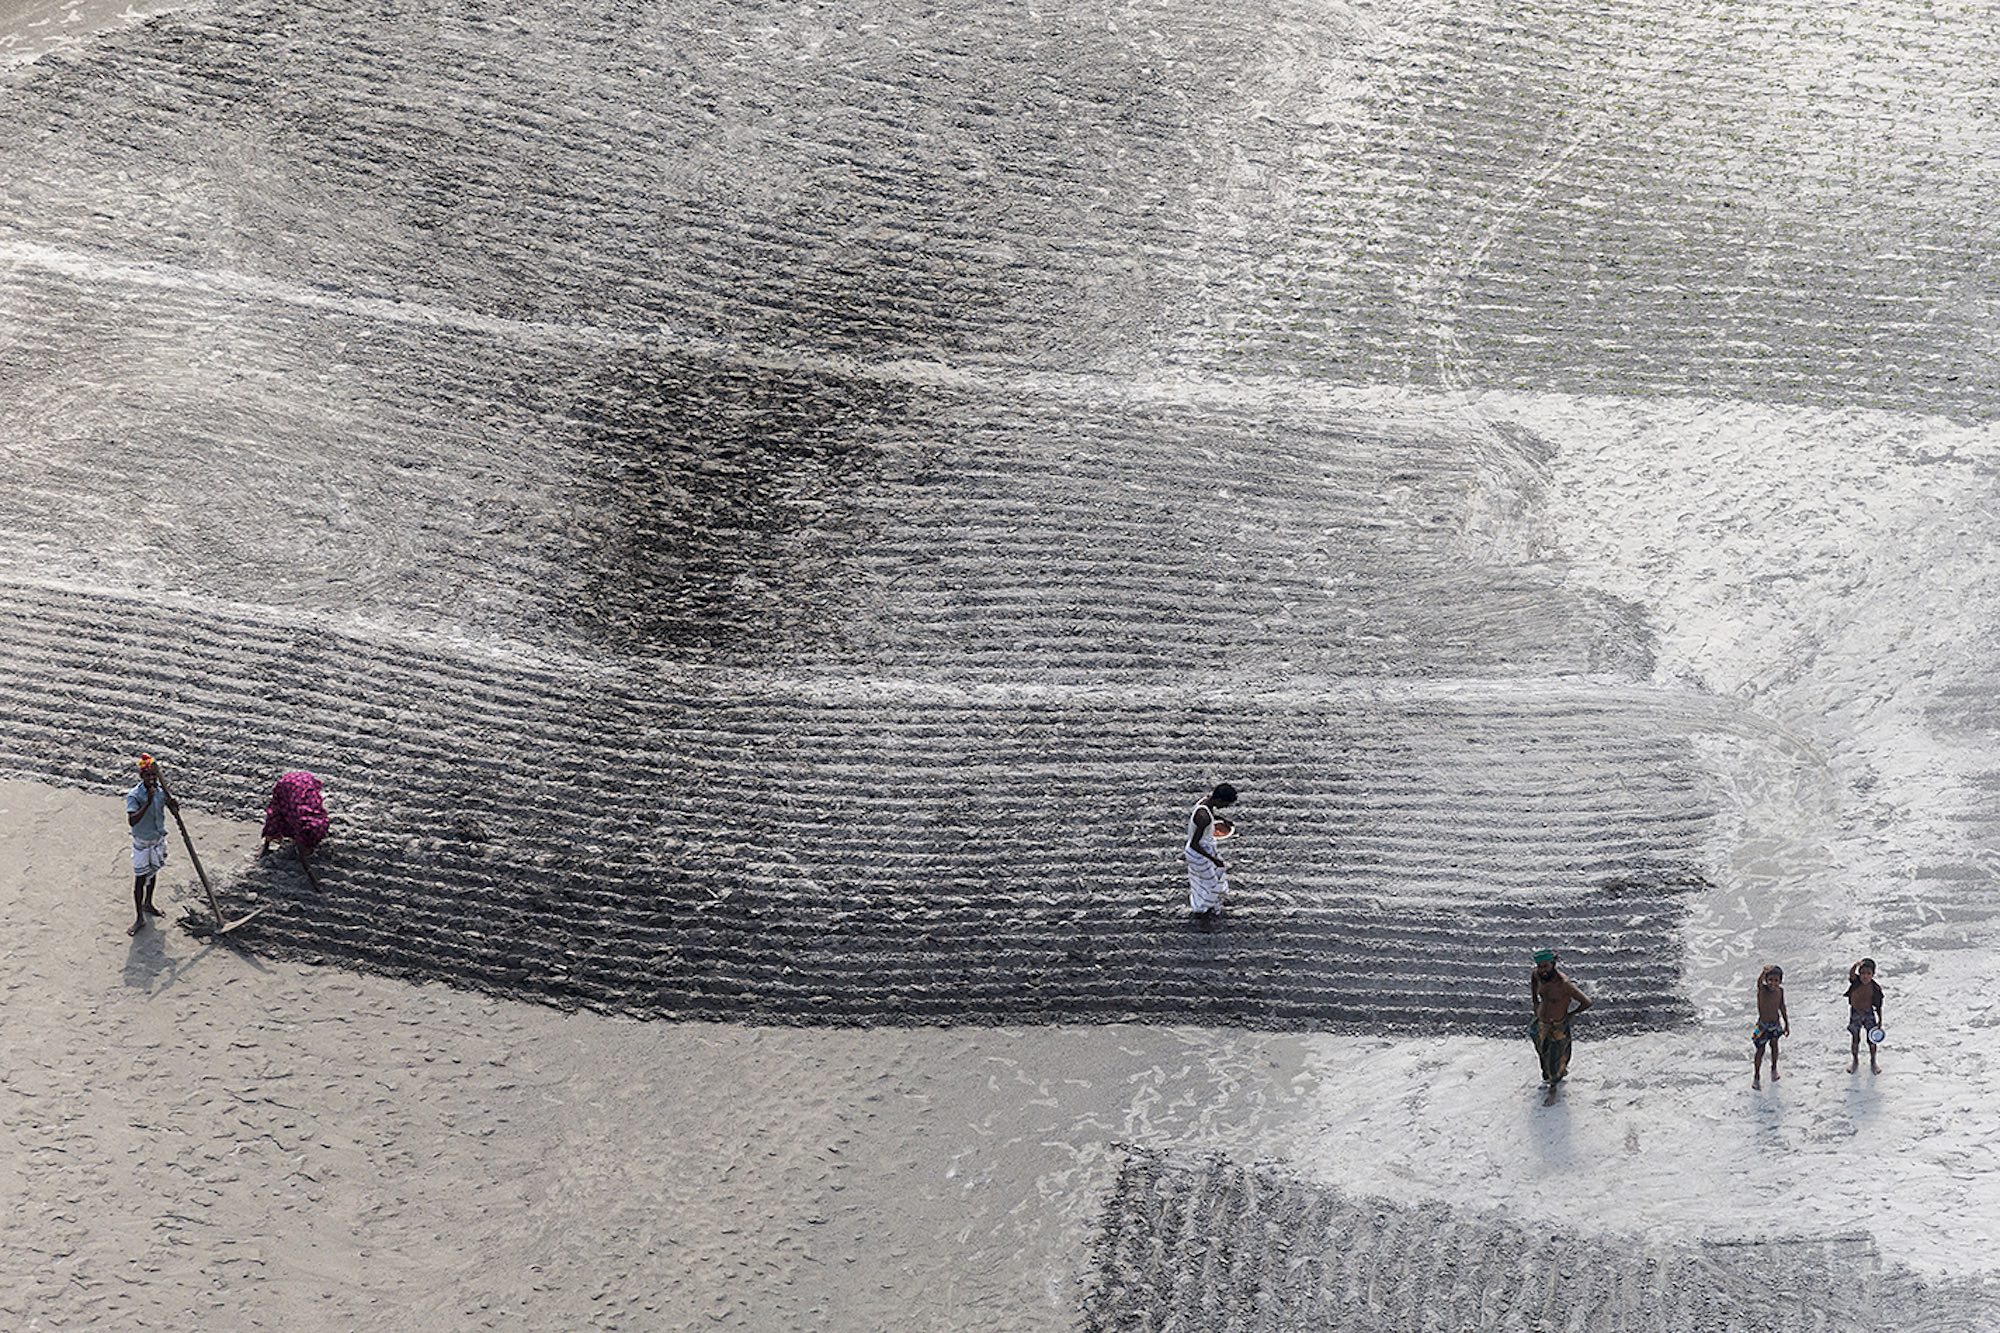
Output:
(148, 857)
(1207, 882)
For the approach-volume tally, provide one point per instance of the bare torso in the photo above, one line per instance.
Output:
(1553, 997)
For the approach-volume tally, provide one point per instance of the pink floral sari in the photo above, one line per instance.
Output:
(297, 811)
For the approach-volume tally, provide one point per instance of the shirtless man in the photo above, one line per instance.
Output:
(1864, 1012)
(1551, 993)
(1773, 1022)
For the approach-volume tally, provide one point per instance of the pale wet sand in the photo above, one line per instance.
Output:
(194, 1133)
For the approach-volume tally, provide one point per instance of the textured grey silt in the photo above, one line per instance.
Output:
(1207, 1244)
(730, 847)
(1779, 202)
(607, 495)
(759, 517)
(1017, 662)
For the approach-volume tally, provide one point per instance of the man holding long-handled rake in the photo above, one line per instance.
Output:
(146, 807)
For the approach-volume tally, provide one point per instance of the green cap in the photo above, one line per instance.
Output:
(1545, 955)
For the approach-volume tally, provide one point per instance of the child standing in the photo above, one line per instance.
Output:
(1773, 1022)
(1864, 1012)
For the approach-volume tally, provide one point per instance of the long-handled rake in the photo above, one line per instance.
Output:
(221, 927)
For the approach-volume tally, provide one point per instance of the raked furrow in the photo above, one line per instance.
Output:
(1205, 1243)
(702, 844)
(1432, 196)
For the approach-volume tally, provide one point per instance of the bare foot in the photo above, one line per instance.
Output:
(1774, 1074)
(1758, 1083)
(136, 926)
(1853, 1065)
(153, 911)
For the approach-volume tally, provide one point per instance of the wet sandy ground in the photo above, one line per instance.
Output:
(193, 1133)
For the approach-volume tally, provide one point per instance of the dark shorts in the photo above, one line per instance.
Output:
(1766, 1032)
(1860, 1020)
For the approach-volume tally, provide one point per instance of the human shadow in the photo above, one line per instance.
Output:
(1862, 1101)
(1547, 1128)
(1769, 1115)
(148, 965)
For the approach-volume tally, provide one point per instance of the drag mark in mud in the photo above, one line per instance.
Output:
(1209, 1244)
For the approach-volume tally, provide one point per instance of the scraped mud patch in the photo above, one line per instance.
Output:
(717, 511)
(1204, 1243)
(895, 180)
(600, 493)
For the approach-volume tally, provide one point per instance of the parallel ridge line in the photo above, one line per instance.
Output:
(820, 525)
(707, 853)
(1435, 238)
(1210, 1244)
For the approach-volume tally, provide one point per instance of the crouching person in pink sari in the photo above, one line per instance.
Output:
(297, 810)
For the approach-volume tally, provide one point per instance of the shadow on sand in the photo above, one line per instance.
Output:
(152, 968)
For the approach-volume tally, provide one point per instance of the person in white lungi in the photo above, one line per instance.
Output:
(146, 807)
(1208, 877)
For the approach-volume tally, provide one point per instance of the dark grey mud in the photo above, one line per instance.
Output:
(724, 847)
(1209, 1244)
(726, 546)
(1777, 204)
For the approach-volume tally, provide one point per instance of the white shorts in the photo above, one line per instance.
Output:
(148, 857)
